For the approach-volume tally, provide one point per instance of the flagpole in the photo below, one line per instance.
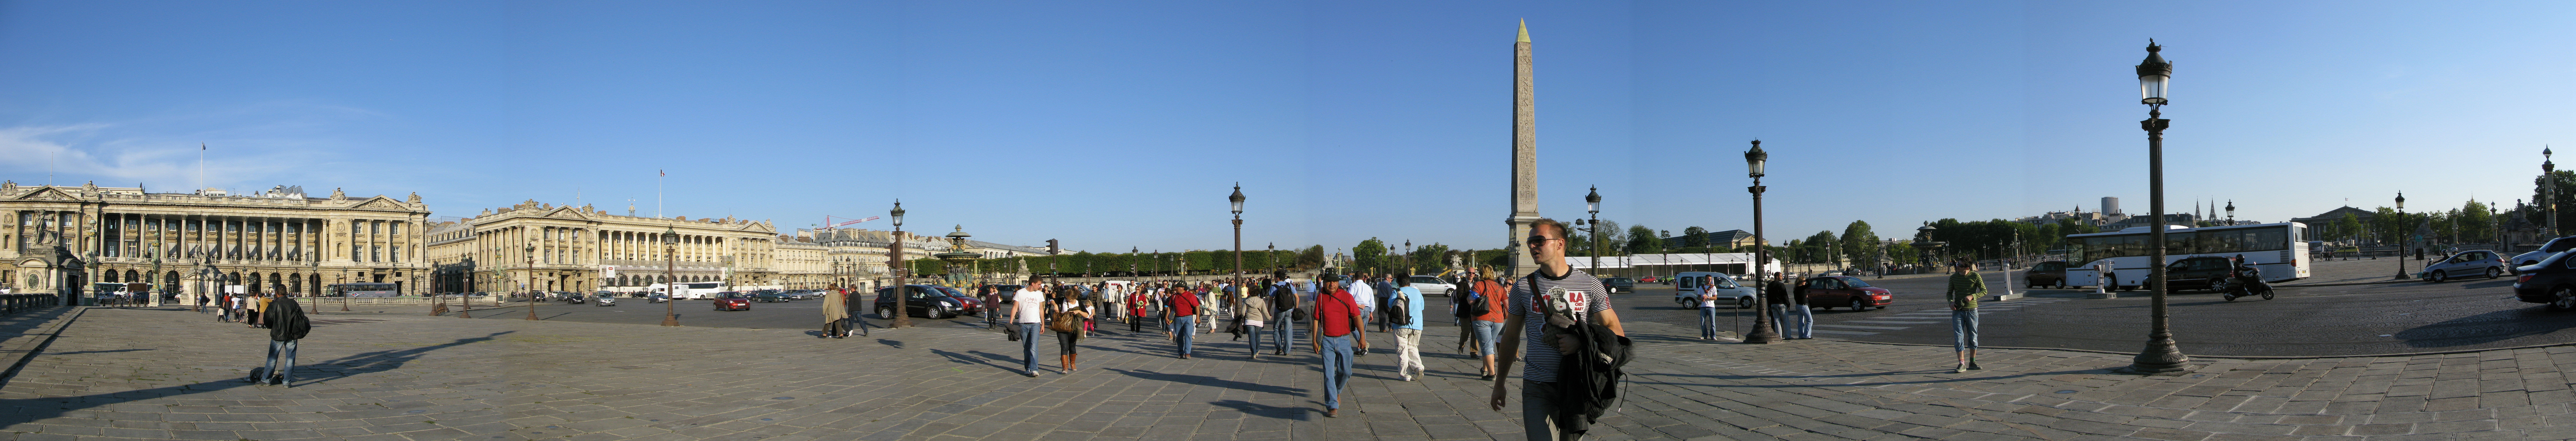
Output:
(657, 191)
(201, 166)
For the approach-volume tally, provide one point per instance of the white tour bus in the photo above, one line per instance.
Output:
(2274, 249)
(693, 290)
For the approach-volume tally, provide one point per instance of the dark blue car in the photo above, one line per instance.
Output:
(2552, 281)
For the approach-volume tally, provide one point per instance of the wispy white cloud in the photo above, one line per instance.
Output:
(252, 146)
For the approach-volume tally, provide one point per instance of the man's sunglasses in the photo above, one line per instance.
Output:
(1535, 241)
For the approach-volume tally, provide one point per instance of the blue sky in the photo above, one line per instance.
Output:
(1111, 125)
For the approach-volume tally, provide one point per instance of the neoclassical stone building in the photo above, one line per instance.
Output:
(801, 264)
(59, 239)
(546, 247)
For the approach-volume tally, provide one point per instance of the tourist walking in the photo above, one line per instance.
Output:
(1185, 323)
(1284, 304)
(836, 315)
(1136, 303)
(1965, 287)
(1069, 310)
(1338, 323)
(1488, 326)
(1707, 307)
(287, 325)
(992, 300)
(1532, 298)
(223, 308)
(1365, 296)
(1027, 312)
(1252, 313)
(1404, 309)
(1383, 287)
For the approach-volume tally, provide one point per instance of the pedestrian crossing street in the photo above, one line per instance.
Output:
(1908, 320)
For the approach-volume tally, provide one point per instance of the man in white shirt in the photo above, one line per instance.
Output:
(1026, 312)
(1366, 297)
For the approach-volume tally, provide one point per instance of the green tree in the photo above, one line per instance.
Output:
(1642, 240)
(2348, 228)
(1312, 258)
(1429, 258)
(1369, 255)
(2476, 225)
(1694, 237)
(1860, 245)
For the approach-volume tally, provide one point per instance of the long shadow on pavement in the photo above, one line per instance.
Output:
(1203, 380)
(1796, 377)
(2489, 327)
(13, 412)
(964, 359)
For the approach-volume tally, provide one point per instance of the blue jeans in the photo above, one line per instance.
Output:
(1487, 333)
(1806, 321)
(1029, 345)
(1963, 329)
(281, 363)
(1780, 319)
(1255, 346)
(1538, 412)
(1286, 331)
(1708, 322)
(1337, 368)
(1185, 327)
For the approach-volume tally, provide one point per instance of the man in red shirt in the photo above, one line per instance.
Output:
(1185, 320)
(1337, 325)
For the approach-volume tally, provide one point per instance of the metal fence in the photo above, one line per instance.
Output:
(14, 303)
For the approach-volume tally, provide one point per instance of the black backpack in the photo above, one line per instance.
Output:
(1396, 312)
(1474, 305)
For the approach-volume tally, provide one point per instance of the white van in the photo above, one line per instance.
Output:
(1687, 288)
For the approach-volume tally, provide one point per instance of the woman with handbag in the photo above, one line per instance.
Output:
(1066, 314)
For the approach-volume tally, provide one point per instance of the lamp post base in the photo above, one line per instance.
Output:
(2160, 357)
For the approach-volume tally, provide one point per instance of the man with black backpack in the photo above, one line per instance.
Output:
(1404, 310)
(1284, 312)
(1556, 312)
(286, 326)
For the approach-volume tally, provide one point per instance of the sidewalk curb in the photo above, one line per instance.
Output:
(2230, 357)
(35, 346)
(2383, 282)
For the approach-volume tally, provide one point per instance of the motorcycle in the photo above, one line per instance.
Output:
(2249, 285)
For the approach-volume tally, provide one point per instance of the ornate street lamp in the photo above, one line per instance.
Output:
(2402, 231)
(902, 316)
(670, 276)
(1592, 206)
(2549, 193)
(2231, 212)
(2161, 354)
(1762, 333)
(1237, 201)
(531, 252)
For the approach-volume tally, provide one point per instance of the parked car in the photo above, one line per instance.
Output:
(1827, 292)
(924, 301)
(658, 298)
(769, 297)
(796, 295)
(733, 301)
(1432, 286)
(1729, 292)
(572, 298)
(1647, 279)
(2046, 274)
(2194, 273)
(1618, 284)
(606, 301)
(2553, 247)
(2550, 281)
(2464, 264)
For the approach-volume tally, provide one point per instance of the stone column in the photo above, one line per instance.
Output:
(1524, 155)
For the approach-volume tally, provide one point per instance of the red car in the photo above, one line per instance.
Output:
(733, 301)
(1827, 292)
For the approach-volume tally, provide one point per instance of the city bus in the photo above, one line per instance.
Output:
(693, 290)
(363, 290)
(2273, 249)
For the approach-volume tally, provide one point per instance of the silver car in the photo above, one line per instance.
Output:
(1432, 286)
(2464, 264)
(1728, 290)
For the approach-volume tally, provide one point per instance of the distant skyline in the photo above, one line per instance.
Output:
(1124, 124)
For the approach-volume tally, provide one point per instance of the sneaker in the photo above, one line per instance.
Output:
(1963, 368)
(1972, 365)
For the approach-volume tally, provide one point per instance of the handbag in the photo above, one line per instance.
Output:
(1064, 323)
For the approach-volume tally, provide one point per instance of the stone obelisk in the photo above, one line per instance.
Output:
(1524, 155)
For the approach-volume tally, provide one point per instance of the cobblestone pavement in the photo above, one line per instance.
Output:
(157, 374)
